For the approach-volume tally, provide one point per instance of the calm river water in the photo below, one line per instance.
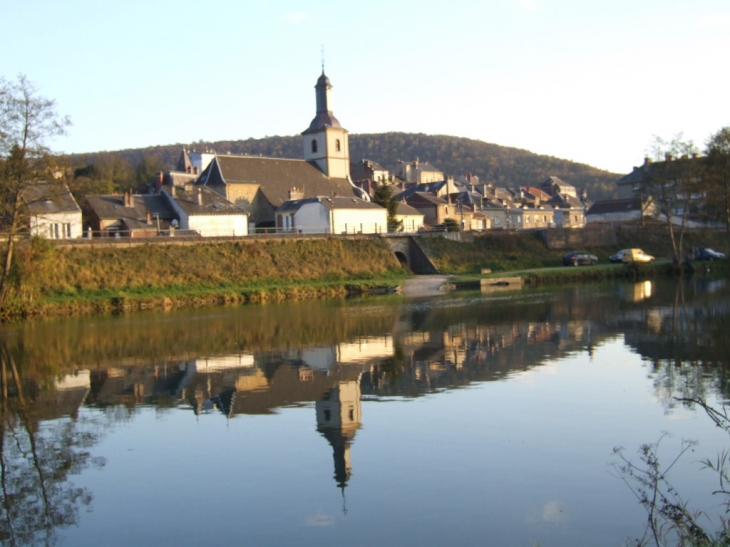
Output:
(465, 419)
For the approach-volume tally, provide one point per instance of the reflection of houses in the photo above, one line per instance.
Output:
(339, 416)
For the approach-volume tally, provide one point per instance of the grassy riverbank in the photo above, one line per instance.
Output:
(53, 280)
(507, 252)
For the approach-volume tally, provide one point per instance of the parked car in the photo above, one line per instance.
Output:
(631, 255)
(707, 254)
(579, 258)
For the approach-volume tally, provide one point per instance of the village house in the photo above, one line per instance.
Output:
(366, 174)
(417, 172)
(52, 211)
(437, 210)
(621, 210)
(569, 211)
(129, 215)
(206, 212)
(331, 215)
(411, 219)
(261, 185)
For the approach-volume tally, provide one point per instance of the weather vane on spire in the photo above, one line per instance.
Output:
(322, 58)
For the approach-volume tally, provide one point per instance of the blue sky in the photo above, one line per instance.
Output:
(591, 82)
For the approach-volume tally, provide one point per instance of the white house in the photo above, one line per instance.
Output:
(201, 209)
(53, 211)
(332, 215)
(411, 218)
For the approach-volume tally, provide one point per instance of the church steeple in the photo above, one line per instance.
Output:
(324, 117)
(325, 140)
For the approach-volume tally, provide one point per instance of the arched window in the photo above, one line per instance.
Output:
(314, 145)
(337, 145)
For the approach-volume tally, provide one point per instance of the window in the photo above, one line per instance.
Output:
(527, 219)
(337, 145)
(67, 226)
(314, 146)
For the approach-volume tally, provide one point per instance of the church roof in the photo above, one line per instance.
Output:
(322, 120)
(275, 177)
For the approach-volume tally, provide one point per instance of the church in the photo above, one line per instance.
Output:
(261, 185)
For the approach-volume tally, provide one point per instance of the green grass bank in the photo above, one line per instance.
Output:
(520, 251)
(53, 280)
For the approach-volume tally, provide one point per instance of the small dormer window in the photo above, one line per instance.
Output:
(314, 146)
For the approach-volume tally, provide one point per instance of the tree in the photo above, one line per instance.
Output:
(27, 121)
(383, 196)
(147, 168)
(673, 181)
(718, 176)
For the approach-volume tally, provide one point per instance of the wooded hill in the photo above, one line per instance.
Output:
(500, 165)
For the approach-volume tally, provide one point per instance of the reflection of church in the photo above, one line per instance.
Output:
(338, 419)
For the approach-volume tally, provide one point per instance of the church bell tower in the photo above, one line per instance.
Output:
(325, 141)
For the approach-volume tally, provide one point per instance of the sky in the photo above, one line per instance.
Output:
(591, 82)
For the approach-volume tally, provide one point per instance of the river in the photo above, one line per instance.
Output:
(460, 419)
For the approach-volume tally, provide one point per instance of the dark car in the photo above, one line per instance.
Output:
(707, 254)
(579, 258)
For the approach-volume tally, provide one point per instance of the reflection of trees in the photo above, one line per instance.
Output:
(35, 463)
(686, 341)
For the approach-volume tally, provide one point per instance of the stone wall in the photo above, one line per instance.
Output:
(587, 237)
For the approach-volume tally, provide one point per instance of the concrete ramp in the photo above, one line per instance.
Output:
(424, 285)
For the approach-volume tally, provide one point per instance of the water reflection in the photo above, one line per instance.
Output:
(222, 364)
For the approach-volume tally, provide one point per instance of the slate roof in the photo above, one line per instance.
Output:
(536, 192)
(184, 165)
(649, 168)
(564, 201)
(212, 202)
(615, 206)
(330, 203)
(426, 187)
(406, 210)
(429, 198)
(550, 182)
(111, 207)
(46, 198)
(275, 177)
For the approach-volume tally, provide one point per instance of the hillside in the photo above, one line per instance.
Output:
(500, 165)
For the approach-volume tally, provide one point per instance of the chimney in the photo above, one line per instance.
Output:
(668, 157)
(295, 193)
(200, 197)
(647, 160)
(158, 182)
(149, 217)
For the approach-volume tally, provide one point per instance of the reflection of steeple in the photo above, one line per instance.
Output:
(338, 419)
